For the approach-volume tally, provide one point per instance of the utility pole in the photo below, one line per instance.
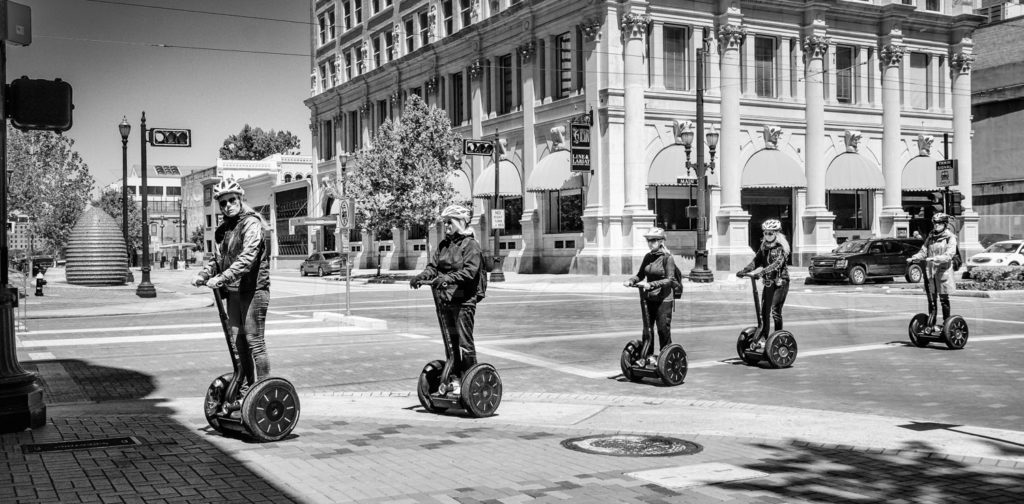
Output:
(146, 288)
(497, 275)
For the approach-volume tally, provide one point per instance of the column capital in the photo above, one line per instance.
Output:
(960, 62)
(476, 68)
(634, 25)
(527, 51)
(731, 36)
(591, 29)
(816, 46)
(892, 55)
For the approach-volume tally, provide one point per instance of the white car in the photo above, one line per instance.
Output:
(1004, 253)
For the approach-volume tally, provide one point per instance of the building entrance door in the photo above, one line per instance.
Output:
(763, 204)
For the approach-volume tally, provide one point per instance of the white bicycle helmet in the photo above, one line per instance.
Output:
(940, 218)
(456, 212)
(227, 186)
(771, 225)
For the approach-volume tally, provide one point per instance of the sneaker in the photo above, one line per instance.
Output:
(653, 360)
(456, 387)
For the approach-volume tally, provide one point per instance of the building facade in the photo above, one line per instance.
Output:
(828, 110)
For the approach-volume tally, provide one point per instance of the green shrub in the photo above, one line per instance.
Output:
(1008, 273)
(990, 285)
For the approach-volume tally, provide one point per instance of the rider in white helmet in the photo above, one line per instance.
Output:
(241, 268)
(456, 269)
(938, 251)
(770, 264)
(658, 267)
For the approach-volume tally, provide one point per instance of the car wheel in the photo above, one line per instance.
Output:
(302, 271)
(1014, 263)
(913, 274)
(858, 275)
(319, 271)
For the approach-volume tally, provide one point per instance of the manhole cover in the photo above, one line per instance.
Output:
(632, 445)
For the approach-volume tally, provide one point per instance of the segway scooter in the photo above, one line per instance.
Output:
(671, 365)
(779, 349)
(954, 332)
(269, 410)
(481, 385)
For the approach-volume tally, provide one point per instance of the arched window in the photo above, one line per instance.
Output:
(287, 177)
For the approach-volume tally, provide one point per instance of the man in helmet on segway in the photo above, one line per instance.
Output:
(456, 270)
(770, 264)
(241, 266)
(938, 251)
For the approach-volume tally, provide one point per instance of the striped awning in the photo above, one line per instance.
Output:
(511, 183)
(919, 174)
(853, 171)
(669, 166)
(772, 168)
(553, 173)
(460, 182)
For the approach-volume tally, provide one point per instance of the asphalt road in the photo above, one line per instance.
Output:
(854, 352)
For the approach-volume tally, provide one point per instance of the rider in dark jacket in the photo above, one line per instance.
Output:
(456, 271)
(770, 263)
(658, 268)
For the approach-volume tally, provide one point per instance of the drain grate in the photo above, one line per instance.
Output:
(79, 445)
(632, 445)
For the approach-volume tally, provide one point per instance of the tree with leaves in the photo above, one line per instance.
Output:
(403, 179)
(110, 202)
(254, 144)
(51, 184)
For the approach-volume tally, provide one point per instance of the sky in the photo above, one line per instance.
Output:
(104, 49)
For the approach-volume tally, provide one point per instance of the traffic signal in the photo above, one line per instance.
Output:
(956, 206)
(169, 137)
(936, 202)
(39, 104)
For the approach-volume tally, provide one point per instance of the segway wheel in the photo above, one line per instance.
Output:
(271, 409)
(630, 354)
(780, 349)
(743, 343)
(481, 390)
(215, 398)
(916, 327)
(672, 365)
(955, 332)
(430, 380)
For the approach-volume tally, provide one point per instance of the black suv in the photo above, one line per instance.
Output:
(859, 260)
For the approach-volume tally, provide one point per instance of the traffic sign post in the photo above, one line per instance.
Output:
(498, 219)
(946, 173)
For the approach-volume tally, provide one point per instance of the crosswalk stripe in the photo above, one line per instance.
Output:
(147, 328)
(149, 338)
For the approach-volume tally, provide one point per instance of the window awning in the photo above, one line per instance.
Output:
(511, 183)
(919, 174)
(553, 173)
(669, 165)
(853, 171)
(772, 168)
(460, 182)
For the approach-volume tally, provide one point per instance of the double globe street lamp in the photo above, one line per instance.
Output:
(684, 135)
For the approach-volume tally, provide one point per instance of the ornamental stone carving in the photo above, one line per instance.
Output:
(527, 51)
(816, 46)
(924, 145)
(431, 84)
(852, 139)
(771, 136)
(474, 12)
(892, 55)
(395, 96)
(591, 30)
(476, 68)
(364, 108)
(558, 139)
(634, 25)
(731, 36)
(961, 62)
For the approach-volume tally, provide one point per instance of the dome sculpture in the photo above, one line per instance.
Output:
(96, 253)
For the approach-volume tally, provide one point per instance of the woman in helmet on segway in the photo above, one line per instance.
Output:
(770, 264)
(241, 265)
(658, 268)
(456, 270)
(938, 251)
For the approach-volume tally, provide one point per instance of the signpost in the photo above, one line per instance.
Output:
(946, 174)
(498, 219)
(579, 144)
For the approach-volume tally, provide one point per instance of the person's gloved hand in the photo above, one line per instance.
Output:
(415, 283)
(198, 280)
(739, 274)
(650, 287)
(630, 282)
(215, 282)
(755, 275)
(910, 259)
(439, 281)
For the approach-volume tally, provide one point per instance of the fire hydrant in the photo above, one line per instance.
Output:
(40, 282)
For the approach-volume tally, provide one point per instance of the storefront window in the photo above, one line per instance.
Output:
(669, 206)
(565, 211)
(851, 208)
(417, 232)
(513, 212)
(291, 204)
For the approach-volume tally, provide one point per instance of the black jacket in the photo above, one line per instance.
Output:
(772, 257)
(458, 260)
(243, 252)
(655, 268)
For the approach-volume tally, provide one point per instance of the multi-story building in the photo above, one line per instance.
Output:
(20, 239)
(827, 112)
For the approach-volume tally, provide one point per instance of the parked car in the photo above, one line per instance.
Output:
(990, 238)
(858, 260)
(1004, 253)
(322, 263)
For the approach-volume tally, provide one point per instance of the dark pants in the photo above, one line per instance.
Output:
(773, 298)
(247, 315)
(943, 302)
(458, 323)
(660, 313)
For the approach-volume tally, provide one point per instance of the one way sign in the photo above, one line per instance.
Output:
(477, 148)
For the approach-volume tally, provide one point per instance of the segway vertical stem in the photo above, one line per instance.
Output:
(757, 300)
(647, 347)
(449, 352)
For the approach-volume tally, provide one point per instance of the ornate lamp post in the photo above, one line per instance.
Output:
(124, 128)
(146, 288)
(700, 272)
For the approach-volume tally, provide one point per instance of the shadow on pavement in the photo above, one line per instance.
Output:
(828, 474)
(171, 462)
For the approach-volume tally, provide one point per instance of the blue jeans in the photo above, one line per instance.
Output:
(247, 315)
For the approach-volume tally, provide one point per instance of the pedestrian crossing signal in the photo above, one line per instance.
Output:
(956, 205)
(167, 137)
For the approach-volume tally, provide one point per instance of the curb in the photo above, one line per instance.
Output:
(122, 309)
(351, 320)
(1007, 294)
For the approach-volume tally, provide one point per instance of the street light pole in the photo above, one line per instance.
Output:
(497, 275)
(146, 288)
(125, 129)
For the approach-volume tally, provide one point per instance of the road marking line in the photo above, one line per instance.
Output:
(34, 356)
(172, 337)
(144, 328)
(412, 336)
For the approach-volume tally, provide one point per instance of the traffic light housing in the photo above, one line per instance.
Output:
(936, 202)
(39, 104)
(170, 137)
(956, 206)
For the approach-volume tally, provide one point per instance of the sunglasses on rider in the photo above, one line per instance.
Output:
(769, 233)
(224, 202)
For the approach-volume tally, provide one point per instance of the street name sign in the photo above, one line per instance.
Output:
(579, 144)
(497, 219)
(946, 173)
(477, 147)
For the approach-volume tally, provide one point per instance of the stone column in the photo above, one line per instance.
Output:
(733, 250)
(893, 219)
(961, 60)
(594, 258)
(634, 27)
(533, 225)
(817, 220)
